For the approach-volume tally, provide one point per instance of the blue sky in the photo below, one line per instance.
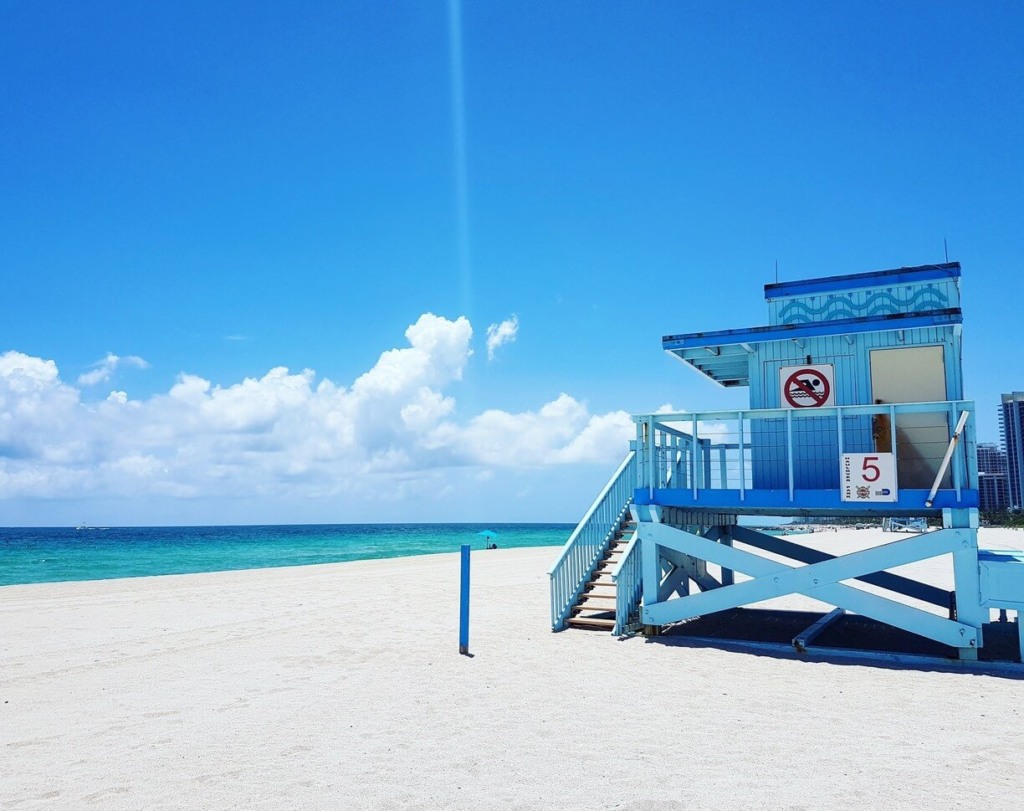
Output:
(210, 191)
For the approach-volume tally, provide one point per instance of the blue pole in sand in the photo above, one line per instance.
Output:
(464, 604)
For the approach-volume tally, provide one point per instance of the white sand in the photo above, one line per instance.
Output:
(340, 686)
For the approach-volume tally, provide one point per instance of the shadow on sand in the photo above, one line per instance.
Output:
(850, 640)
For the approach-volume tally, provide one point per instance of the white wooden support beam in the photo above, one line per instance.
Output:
(691, 568)
(650, 564)
(805, 554)
(819, 581)
(968, 596)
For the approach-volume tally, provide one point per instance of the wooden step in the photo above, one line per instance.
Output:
(600, 609)
(585, 622)
(599, 598)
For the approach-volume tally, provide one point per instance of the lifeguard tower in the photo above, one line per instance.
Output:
(856, 411)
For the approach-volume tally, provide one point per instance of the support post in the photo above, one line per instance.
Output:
(464, 603)
(966, 578)
(966, 575)
(1020, 634)
(650, 571)
(728, 578)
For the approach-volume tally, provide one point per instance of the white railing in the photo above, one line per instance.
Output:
(589, 541)
(628, 587)
(799, 449)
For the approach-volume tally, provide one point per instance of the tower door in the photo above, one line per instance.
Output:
(914, 375)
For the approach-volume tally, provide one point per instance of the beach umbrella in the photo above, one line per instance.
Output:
(488, 535)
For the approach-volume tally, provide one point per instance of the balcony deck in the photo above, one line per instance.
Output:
(787, 461)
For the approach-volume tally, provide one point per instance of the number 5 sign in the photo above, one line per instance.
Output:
(867, 477)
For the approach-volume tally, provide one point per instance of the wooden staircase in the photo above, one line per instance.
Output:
(595, 609)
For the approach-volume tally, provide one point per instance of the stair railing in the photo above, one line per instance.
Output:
(628, 587)
(589, 541)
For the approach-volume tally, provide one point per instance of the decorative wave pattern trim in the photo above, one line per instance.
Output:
(883, 302)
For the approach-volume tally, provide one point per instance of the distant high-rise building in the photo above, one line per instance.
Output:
(1011, 424)
(991, 458)
(992, 488)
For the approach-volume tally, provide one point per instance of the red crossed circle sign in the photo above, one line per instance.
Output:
(806, 388)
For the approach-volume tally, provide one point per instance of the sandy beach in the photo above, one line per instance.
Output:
(340, 686)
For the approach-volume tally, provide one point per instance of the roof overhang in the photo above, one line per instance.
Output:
(723, 355)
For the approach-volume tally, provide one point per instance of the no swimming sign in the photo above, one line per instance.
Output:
(807, 386)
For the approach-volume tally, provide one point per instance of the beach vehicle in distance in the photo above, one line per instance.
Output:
(856, 412)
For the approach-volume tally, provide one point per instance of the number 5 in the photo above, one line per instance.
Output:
(875, 470)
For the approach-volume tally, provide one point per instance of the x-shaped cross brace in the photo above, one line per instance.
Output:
(820, 581)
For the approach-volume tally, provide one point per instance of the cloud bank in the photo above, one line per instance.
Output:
(283, 433)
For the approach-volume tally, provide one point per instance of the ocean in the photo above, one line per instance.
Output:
(98, 553)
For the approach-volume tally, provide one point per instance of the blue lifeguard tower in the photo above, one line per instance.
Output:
(856, 412)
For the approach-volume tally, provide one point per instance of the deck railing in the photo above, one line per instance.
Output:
(628, 587)
(800, 449)
(590, 540)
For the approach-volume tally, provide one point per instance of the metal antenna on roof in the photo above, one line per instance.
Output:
(946, 249)
(776, 271)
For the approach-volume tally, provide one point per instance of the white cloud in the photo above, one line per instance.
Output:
(559, 432)
(102, 370)
(602, 431)
(500, 334)
(285, 434)
(21, 373)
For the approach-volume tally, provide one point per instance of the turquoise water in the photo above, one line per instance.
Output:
(64, 553)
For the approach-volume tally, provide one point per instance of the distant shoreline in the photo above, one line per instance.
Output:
(46, 555)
